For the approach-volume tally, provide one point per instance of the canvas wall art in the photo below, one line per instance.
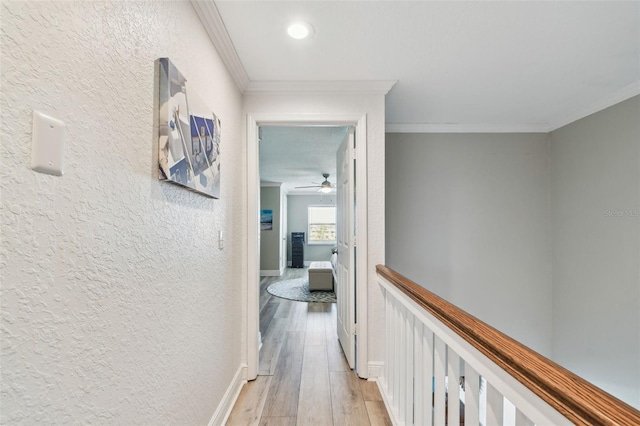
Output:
(189, 134)
(266, 220)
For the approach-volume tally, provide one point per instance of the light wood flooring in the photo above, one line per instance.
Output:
(304, 377)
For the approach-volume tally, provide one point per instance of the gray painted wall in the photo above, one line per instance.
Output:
(270, 240)
(595, 198)
(468, 218)
(538, 235)
(297, 222)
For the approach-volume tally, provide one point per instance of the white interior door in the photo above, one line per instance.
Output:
(283, 231)
(345, 224)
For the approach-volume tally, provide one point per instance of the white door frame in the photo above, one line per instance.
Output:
(253, 226)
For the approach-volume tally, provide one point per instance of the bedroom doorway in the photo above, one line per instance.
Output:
(254, 123)
(320, 214)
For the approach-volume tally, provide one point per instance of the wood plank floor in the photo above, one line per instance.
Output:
(304, 377)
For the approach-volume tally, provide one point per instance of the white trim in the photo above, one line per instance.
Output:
(621, 95)
(253, 203)
(466, 128)
(387, 404)
(376, 87)
(270, 273)
(230, 397)
(253, 248)
(306, 263)
(214, 26)
(362, 253)
(270, 184)
(376, 369)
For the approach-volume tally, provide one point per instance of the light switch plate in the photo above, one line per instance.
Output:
(47, 149)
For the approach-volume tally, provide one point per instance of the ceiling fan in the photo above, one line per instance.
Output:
(325, 186)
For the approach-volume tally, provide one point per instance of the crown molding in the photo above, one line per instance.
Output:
(270, 184)
(621, 95)
(466, 128)
(213, 25)
(215, 28)
(375, 87)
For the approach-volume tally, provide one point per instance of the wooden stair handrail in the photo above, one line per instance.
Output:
(578, 400)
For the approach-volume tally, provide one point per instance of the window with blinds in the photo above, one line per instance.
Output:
(322, 224)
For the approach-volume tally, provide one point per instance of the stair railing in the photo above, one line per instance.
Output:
(438, 355)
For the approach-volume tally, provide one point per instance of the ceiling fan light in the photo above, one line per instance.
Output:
(325, 189)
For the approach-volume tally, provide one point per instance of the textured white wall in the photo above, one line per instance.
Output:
(468, 218)
(595, 204)
(117, 305)
(373, 107)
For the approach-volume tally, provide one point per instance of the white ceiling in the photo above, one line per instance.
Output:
(515, 64)
(459, 65)
(298, 156)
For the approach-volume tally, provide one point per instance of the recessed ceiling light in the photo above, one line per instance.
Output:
(299, 30)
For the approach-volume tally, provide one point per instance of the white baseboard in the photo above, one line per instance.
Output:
(376, 369)
(270, 273)
(223, 411)
(306, 263)
(385, 398)
(376, 374)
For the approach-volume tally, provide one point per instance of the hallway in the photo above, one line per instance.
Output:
(304, 378)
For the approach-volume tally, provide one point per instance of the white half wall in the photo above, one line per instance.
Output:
(595, 189)
(468, 218)
(117, 305)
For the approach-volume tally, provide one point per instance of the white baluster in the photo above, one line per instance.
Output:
(396, 356)
(427, 376)
(402, 387)
(495, 406)
(453, 380)
(390, 360)
(418, 371)
(408, 361)
(388, 335)
(440, 368)
(521, 419)
(471, 396)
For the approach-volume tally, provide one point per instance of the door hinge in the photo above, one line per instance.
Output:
(354, 328)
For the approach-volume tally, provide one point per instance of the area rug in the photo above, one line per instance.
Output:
(298, 289)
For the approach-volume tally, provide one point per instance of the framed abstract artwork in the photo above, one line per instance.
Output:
(266, 220)
(188, 134)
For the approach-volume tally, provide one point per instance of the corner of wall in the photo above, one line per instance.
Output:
(222, 413)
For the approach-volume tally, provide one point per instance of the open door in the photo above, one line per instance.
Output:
(345, 224)
(283, 231)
